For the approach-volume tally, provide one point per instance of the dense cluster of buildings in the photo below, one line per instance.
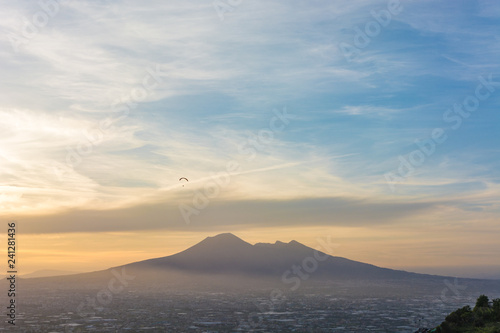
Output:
(222, 312)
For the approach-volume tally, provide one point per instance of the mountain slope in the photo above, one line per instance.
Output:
(226, 253)
(47, 273)
(225, 262)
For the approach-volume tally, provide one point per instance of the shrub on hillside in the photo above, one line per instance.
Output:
(484, 318)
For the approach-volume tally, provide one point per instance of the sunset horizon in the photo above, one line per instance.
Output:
(393, 262)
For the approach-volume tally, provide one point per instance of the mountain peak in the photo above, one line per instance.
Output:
(225, 240)
(224, 236)
(227, 253)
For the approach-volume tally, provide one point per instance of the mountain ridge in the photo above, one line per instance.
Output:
(227, 253)
(226, 262)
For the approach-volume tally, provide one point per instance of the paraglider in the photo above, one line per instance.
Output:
(182, 179)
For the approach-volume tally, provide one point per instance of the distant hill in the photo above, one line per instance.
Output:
(46, 273)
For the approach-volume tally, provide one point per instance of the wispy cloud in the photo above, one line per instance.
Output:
(66, 145)
(367, 110)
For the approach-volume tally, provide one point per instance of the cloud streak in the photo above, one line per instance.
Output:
(220, 82)
(234, 214)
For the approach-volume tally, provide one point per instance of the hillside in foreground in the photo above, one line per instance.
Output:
(483, 318)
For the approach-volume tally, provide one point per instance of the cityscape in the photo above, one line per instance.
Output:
(226, 312)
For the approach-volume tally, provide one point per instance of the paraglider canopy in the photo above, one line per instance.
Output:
(182, 179)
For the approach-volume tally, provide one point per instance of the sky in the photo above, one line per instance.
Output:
(371, 123)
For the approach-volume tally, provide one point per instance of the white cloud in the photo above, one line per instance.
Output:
(63, 82)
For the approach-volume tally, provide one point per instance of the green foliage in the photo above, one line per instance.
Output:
(482, 302)
(484, 318)
(444, 328)
(461, 316)
(496, 309)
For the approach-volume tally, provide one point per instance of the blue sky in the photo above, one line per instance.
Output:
(106, 104)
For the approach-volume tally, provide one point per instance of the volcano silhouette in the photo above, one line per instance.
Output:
(227, 254)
